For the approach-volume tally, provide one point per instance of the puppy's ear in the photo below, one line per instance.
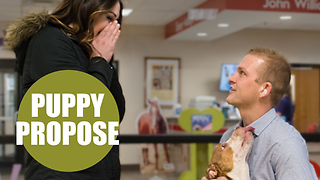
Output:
(221, 173)
(214, 171)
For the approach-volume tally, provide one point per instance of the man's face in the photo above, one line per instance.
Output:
(244, 89)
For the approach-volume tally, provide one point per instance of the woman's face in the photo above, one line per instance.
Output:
(101, 21)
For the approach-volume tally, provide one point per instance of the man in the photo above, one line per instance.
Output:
(279, 152)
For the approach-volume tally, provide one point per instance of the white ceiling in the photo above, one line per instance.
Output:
(161, 12)
(239, 20)
(157, 12)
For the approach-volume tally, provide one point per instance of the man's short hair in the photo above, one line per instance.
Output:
(276, 70)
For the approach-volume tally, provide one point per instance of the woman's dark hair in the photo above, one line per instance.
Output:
(81, 13)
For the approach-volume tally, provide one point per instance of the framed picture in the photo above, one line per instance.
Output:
(162, 81)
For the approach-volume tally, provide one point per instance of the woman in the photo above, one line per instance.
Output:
(78, 35)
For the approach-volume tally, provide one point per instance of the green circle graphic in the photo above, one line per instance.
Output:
(72, 157)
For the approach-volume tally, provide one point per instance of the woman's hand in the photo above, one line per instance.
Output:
(104, 42)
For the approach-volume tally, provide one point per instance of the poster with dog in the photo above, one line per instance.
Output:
(201, 122)
(155, 157)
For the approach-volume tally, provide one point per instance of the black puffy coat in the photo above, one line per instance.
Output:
(42, 48)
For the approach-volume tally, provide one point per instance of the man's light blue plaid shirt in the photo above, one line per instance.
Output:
(279, 152)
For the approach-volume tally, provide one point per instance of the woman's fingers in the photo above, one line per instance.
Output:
(105, 30)
(115, 32)
(110, 31)
(105, 41)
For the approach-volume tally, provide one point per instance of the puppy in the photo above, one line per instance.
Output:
(229, 159)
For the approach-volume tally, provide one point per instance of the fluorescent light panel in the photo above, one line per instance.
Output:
(126, 12)
(222, 25)
(202, 34)
(285, 17)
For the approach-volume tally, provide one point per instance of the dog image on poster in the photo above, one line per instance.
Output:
(155, 157)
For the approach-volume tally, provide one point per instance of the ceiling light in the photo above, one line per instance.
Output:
(126, 12)
(285, 17)
(222, 25)
(202, 34)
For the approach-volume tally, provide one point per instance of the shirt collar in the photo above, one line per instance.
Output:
(263, 122)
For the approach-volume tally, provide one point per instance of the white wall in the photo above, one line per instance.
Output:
(200, 64)
(4, 53)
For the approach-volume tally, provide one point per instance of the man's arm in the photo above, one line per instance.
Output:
(291, 161)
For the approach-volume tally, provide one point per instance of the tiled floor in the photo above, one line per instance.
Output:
(127, 173)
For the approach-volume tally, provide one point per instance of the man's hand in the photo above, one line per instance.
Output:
(219, 178)
(212, 175)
